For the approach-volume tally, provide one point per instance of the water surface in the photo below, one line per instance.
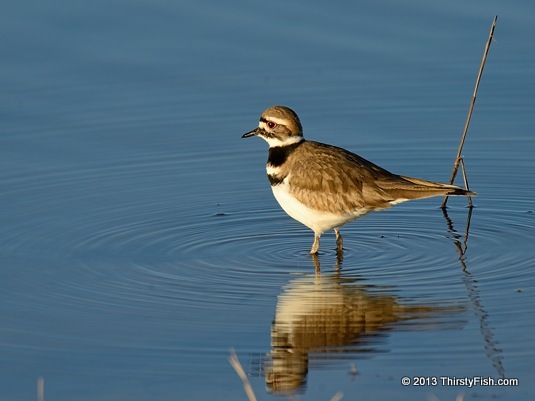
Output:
(139, 239)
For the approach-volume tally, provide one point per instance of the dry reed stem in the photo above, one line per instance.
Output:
(235, 363)
(41, 389)
(470, 110)
(338, 396)
(432, 397)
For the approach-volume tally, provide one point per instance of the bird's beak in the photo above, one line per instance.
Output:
(250, 133)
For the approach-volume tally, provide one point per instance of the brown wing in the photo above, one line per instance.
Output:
(330, 178)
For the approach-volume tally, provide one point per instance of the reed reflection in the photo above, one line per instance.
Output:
(323, 319)
(494, 352)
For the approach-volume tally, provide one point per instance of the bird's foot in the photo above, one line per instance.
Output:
(315, 245)
(339, 241)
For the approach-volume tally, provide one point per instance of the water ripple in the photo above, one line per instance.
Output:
(125, 249)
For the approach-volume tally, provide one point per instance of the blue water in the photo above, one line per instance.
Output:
(139, 240)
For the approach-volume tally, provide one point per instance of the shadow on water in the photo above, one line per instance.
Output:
(494, 353)
(323, 319)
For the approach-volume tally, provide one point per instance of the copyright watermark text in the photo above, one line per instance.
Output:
(447, 381)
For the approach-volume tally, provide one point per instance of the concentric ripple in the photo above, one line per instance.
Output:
(154, 255)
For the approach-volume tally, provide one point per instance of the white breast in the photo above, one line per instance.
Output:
(317, 220)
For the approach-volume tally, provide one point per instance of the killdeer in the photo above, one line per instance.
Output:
(324, 186)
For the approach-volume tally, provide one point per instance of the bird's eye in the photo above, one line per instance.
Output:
(271, 124)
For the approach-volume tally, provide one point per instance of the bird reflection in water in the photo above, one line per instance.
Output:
(323, 319)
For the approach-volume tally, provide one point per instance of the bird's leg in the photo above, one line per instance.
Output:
(316, 262)
(339, 241)
(316, 244)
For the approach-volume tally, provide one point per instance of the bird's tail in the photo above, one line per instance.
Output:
(426, 189)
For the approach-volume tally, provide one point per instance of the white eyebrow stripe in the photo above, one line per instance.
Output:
(279, 121)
